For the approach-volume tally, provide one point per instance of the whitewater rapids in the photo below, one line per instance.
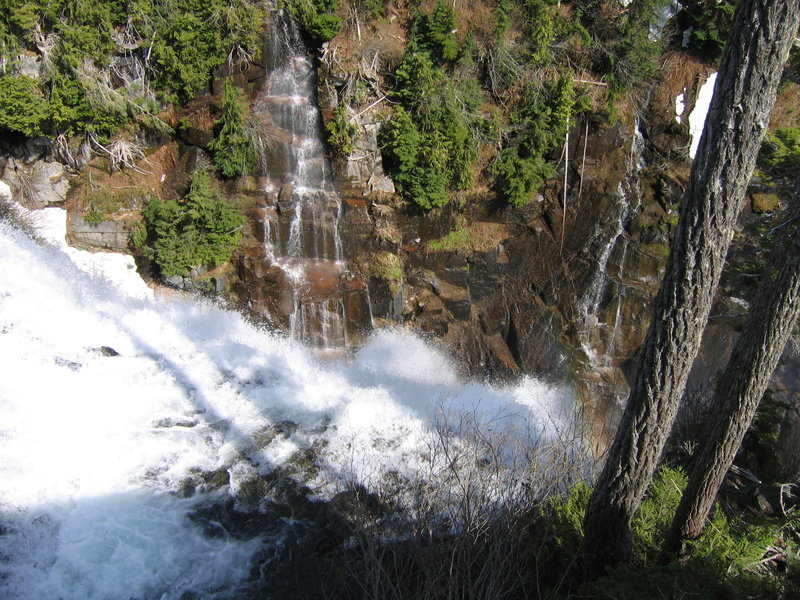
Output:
(96, 445)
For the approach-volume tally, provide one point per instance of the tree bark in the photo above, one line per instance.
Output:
(744, 94)
(768, 327)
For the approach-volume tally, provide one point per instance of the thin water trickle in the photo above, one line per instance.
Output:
(629, 199)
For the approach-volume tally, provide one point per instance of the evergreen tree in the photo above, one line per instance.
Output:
(233, 153)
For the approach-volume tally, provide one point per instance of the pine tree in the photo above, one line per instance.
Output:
(233, 153)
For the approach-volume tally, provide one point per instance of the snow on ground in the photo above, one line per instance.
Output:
(697, 118)
(680, 105)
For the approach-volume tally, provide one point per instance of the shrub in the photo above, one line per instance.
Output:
(518, 177)
(416, 77)
(233, 153)
(318, 17)
(342, 132)
(710, 22)
(542, 26)
(779, 157)
(179, 45)
(203, 230)
(427, 143)
(416, 160)
(184, 54)
(22, 106)
(370, 8)
(539, 126)
(440, 25)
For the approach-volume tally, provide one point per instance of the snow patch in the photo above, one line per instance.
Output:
(680, 105)
(697, 118)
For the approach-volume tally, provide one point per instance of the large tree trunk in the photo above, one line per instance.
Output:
(743, 98)
(755, 356)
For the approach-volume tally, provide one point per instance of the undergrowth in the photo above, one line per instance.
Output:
(481, 527)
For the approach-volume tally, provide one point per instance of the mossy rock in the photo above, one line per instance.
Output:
(657, 249)
(389, 268)
(765, 202)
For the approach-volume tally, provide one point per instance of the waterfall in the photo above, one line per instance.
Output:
(628, 199)
(139, 431)
(302, 236)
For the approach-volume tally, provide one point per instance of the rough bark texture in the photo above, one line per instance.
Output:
(743, 98)
(755, 356)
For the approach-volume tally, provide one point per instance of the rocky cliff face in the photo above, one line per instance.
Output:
(552, 291)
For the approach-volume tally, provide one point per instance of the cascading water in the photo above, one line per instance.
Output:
(301, 228)
(628, 200)
(137, 430)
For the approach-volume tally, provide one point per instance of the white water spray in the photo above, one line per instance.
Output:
(97, 448)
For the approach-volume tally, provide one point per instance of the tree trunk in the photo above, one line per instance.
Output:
(743, 98)
(755, 356)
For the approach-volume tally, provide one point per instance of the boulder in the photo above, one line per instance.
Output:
(37, 184)
(110, 234)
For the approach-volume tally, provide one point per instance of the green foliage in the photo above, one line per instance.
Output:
(458, 239)
(139, 234)
(389, 268)
(542, 30)
(184, 56)
(617, 42)
(428, 143)
(416, 77)
(318, 17)
(203, 230)
(342, 132)
(502, 15)
(191, 38)
(100, 204)
(370, 8)
(540, 125)
(22, 105)
(179, 44)
(721, 565)
(655, 514)
(84, 30)
(440, 25)
(233, 153)
(18, 18)
(779, 157)
(518, 177)
(72, 113)
(566, 518)
(634, 56)
(721, 559)
(710, 22)
(415, 166)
